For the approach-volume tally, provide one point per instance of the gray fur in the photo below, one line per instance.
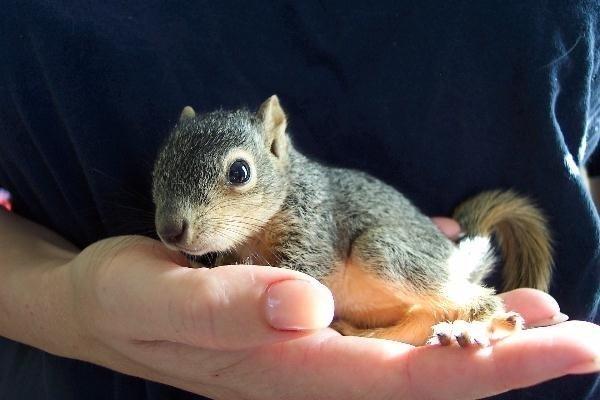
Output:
(298, 214)
(337, 207)
(322, 215)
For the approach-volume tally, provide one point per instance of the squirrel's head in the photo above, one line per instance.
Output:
(220, 177)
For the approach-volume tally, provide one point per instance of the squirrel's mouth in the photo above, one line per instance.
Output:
(207, 259)
(205, 251)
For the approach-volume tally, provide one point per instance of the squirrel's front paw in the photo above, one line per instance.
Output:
(478, 333)
(345, 328)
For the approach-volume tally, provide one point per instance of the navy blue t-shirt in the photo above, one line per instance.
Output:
(440, 99)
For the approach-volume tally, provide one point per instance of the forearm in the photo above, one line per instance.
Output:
(33, 286)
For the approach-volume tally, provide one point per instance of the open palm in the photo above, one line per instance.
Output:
(213, 332)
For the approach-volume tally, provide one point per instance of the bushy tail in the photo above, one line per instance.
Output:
(521, 231)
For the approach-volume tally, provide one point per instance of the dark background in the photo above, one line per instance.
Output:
(440, 99)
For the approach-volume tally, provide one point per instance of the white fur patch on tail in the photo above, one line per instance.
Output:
(472, 260)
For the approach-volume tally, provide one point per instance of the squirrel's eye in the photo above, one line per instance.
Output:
(239, 172)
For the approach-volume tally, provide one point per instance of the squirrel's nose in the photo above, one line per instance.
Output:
(173, 231)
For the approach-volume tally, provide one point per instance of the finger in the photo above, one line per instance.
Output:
(229, 307)
(521, 360)
(372, 368)
(538, 308)
(448, 227)
(356, 367)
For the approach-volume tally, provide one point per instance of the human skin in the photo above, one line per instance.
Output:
(252, 332)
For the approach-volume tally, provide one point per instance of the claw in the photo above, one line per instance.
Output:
(443, 333)
(444, 339)
(462, 333)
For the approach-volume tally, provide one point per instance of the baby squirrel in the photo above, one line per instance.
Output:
(230, 183)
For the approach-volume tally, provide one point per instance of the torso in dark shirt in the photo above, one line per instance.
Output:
(439, 99)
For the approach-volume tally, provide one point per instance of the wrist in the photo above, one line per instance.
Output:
(34, 303)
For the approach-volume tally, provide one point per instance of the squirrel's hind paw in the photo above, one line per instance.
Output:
(476, 333)
(466, 334)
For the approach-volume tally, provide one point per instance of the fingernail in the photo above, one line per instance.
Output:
(586, 368)
(299, 305)
(556, 319)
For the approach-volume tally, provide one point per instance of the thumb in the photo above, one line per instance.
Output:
(153, 298)
(234, 307)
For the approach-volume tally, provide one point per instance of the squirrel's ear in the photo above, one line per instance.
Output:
(187, 113)
(274, 124)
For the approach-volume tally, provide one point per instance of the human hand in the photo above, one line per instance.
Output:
(448, 227)
(215, 332)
